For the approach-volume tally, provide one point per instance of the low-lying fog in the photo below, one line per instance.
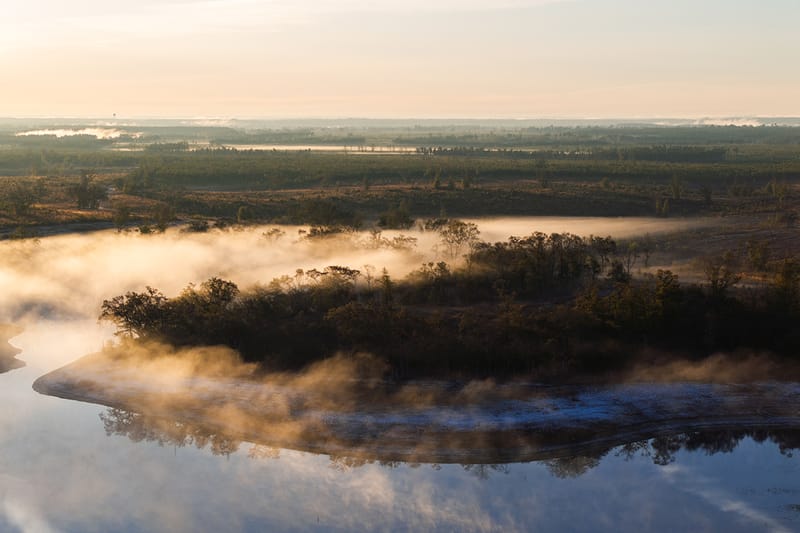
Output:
(100, 133)
(500, 229)
(53, 283)
(61, 470)
(70, 275)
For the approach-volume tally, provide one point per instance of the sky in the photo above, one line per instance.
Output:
(400, 58)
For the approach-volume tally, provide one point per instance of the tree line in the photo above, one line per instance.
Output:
(552, 306)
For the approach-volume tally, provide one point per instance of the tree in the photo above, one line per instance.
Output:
(647, 248)
(437, 178)
(786, 284)
(758, 254)
(720, 273)
(136, 314)
(273, 234)
(243, 214)
(667, 292)
(541, 173)
(387, 289)
(219, 291)
(604, 247)
(162, 215)
(676, 187)
(457, 233)
(86, 193)
(778, 191)
(121, 216)
(396, 218)
(20, 197)
(631, 256)
(618, 273)
(662, 207)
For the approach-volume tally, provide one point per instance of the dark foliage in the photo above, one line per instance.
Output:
(86, 193)
(495, 316)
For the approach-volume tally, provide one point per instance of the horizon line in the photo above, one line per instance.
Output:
(222, 117)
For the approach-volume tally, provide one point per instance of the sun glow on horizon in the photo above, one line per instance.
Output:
(325, 58)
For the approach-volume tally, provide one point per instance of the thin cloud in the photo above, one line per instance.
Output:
(26, 519)
(708, 490)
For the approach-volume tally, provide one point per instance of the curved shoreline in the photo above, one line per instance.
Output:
(425, 422)
(8, 352)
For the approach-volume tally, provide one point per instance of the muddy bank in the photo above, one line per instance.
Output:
(426, 422)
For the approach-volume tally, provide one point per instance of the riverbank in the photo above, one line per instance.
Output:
(8, 353)
(418, 421)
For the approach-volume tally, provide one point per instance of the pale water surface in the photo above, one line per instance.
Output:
(60, 471)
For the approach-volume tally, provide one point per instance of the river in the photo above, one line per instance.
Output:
(70, 466)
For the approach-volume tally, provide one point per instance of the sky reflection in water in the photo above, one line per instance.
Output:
(59, 471)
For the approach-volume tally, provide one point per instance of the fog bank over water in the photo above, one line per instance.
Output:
(499, 229)
(100, 133)
(64, 468)
(70, 275)
(54, 286)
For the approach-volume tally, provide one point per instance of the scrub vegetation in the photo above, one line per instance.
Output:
(546, 305)
(552, 306)
(149, 174)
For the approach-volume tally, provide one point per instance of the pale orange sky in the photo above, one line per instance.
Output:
(414, 58)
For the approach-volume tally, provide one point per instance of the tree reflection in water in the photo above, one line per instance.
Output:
(139, 428)
(566, 467)
(662, 450)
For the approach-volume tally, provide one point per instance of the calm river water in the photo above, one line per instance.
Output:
(77, 467)
(63, 468)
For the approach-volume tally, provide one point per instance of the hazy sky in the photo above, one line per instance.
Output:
(400, 58)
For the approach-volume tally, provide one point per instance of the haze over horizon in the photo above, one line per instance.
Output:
(503, 59)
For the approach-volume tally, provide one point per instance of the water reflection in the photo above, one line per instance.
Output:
(426, 422)
(62, 470)
(139, 428)
(661, 450)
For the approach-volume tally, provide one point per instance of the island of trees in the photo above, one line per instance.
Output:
(555, 306)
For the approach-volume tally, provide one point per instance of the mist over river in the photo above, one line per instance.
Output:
(70, 466)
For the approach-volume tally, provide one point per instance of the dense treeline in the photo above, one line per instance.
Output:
(297, 136)
(573, 171)
(282, 170)
(494, 316)
(713, 155)
(561, 136)
(60, 162)
(665, 449)
(67, 142)
(675, 154)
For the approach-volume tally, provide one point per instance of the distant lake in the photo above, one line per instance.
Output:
(330, 148)
(366, 149)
